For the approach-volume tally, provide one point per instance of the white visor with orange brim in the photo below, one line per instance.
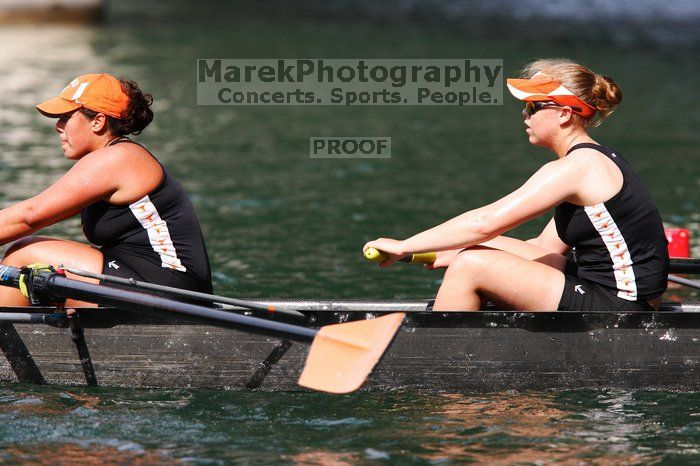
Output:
(542, 87)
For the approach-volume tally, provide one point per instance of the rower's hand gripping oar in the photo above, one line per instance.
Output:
(341, 355)
(375, 255)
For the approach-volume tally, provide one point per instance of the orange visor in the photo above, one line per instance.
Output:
(98, 92)
(542, 87)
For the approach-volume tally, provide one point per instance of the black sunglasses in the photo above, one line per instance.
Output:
(533, 107)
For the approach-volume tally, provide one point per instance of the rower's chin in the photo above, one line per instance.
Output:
(70, 155)
(68, 152)
(532, 139)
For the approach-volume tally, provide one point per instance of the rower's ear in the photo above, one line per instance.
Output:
(98, 123)
(566, 116)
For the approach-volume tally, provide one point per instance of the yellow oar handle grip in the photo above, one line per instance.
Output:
(375, 255)
(423, 258)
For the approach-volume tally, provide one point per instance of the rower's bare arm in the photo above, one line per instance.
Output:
(89, 180)
(552, 184)
(549, 239)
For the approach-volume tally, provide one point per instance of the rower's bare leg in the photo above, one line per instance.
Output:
(515, 246)
(482, 273)
(52, 251)
(527, 251)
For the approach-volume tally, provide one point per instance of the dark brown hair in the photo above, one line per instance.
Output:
(136, 117)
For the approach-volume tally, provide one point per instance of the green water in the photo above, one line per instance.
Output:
(278, 223)
(161, 427)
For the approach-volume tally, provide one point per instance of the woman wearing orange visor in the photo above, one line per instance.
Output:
(138, 216)
(603, 214)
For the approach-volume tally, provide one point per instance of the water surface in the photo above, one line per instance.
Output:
(41, 425)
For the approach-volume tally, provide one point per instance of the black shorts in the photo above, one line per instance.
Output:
(581, 295)
(146, 271)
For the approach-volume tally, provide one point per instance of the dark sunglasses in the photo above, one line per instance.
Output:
(533, 107)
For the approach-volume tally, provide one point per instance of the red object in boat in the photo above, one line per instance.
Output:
(678, 242)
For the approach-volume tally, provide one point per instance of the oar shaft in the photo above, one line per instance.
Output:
(68, 288)
(684, 281)
(31, 318)
(689, 266)
(676, 265)
(210, 298)
(54, 286)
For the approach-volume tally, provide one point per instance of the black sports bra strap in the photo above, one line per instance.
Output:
(588, 145)
(119, 139)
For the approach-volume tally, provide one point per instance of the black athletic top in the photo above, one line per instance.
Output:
(157, 236)
(619, 244)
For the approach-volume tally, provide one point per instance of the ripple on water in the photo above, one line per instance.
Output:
(404, 426)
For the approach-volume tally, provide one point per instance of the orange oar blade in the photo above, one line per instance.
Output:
(342, 355)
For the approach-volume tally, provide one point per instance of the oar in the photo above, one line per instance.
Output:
(689, 266)
(374, 255)
(684, 281)
(341, 355)
(194, 295)
(32, 318)
(676, 265)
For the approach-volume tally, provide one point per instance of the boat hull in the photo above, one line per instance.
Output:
(476, 352)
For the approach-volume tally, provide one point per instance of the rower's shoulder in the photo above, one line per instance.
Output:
(584, 160)
(574, 172)
(587, 155)
(572, 163)
(121, 156)
(126, 149)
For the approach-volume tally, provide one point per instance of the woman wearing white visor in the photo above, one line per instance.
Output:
(602, 212)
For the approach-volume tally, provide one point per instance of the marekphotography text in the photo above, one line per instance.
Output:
(349, 82)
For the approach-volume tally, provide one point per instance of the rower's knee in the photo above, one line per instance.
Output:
(469, 262)
(16, 252)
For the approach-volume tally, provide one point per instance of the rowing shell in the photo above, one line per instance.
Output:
(460, 351)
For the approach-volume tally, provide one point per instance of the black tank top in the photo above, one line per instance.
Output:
(620, 243)
(161, 228)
